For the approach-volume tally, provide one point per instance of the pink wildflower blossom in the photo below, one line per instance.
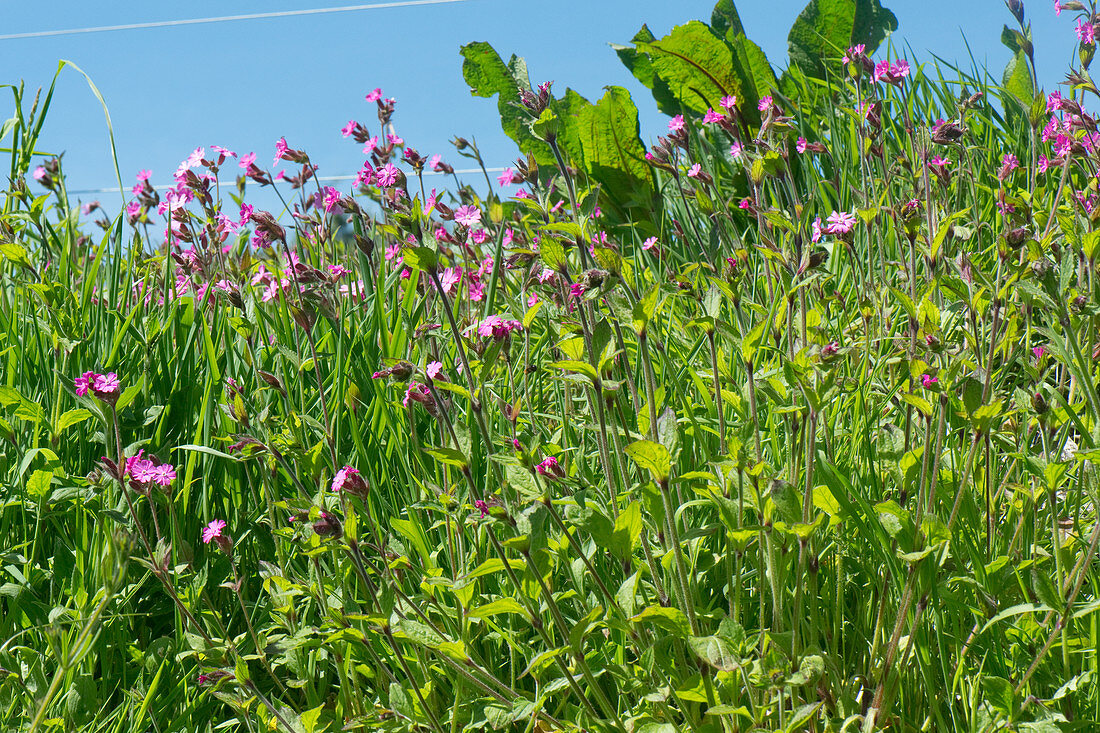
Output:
(213, 531)
(840, 222)
(467, 216)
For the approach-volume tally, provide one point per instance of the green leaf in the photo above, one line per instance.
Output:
(999, 693)
(643, 310)
(494, 608)
(1044, 587)
(576, 366)
(751, 343)
(628, 530)
(450, 456)
(801, 716)
(826, 28)
(489, 76)
(420, 258)
(715, 651)
(552, 254)
(653, 457)
(695, 64)
(604, 137)
(725, 21)
(641, 67)
(38, 485)
(670, 619)
(1017, 80)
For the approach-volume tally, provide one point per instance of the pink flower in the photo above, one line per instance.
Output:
(467, 215)
(374, 96)
(1086, 32)
(434, 161)
(39, 173)
(1038, 351)
(1054, 102)
(280, 150)
(213, 531)
(342, 476)
(434, 369)
(765, 103)
(728, 102)
(347, 129)
(840, 222)
(854, 51)
(1057, 7)
(1009, 163)
(450, 278)
(800, 146)
(711, 117)
(735, 151)
(163, 475)
(83, 382)
(482, 507)
(507, 177)
(695, 170)
(386, 176)
(927, 380)
(331, 199)
(550, 467)
(105, 383)
(393, 139)
(676, 123)
(144, 175)
(816, 230)
(247, 161)
(649, 243)
(497, 327)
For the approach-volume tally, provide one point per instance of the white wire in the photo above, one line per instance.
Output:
(165, 187)
(224, 18)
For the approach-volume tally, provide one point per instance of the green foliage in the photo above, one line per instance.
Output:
(801, 435)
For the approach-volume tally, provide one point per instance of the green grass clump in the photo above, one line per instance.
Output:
(788, 423)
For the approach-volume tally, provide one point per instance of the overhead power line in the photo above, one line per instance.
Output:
(225, 18)
(323, 179)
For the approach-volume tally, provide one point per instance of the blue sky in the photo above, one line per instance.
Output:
(244, 84)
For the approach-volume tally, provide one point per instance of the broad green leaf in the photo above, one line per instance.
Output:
(489, 76)
(72, 417)
(606, 136)
(696, 65)
(725, 21)
(641, 67)
(826, 28)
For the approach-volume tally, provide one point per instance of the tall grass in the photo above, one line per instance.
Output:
(711, 472)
